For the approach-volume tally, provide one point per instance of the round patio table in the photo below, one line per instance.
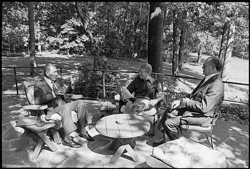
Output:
(123, 128)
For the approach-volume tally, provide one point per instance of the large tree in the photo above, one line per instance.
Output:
(226, 49)
(83, 12)
(155, 33)
(32, 39)
(175, 43)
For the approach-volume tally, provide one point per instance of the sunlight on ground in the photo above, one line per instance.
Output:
(239, 73)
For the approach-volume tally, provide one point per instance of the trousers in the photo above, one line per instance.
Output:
(170, 124)
(83, 116)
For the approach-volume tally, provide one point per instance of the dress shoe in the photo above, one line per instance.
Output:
(86, 136)
(71, 143)
(155, 144)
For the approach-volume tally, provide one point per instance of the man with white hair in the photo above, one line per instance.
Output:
(53, 95)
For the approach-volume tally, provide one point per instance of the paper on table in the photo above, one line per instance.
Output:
(76, 96)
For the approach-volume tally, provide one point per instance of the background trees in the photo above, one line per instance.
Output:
(121, 29)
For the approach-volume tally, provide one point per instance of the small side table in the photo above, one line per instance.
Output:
(37, 133)
(123, 128)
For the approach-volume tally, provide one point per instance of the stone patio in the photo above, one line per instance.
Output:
(231, 138)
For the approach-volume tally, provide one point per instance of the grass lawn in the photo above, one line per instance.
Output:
(239, 72)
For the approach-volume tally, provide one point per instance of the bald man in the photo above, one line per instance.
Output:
(199, 107)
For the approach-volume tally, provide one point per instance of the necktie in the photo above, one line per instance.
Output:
(54, 86)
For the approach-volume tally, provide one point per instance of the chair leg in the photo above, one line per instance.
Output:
(22, 141)
(210, 141)
(152, 127)
(211, 136)
(46, 140)
(37, 149)
(27, 133)
(56, 136)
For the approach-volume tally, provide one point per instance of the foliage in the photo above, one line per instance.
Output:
(120, 28)
(235, 112)
(89, 83)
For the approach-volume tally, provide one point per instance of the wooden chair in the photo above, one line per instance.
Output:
(205, 130)
(32, 124)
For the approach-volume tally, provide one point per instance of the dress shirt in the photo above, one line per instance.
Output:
(52, 85)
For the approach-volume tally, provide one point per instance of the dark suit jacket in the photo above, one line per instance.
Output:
(43, 95)
(206, 97)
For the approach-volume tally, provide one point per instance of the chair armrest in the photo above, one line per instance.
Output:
(35, 107)
(197, 128)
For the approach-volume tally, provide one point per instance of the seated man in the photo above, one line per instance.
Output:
(54, 96)
(199, 107)
(143, 87)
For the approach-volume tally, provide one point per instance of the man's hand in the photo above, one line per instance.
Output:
(153, 102)
(60, 91)
(175, 103)
(184, 101)
(43, 117)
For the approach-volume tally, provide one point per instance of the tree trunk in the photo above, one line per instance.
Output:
(175, 45)
(89, 34)
(155, 37)
(125, 22)
(200, 51)
(137, 22)
(182, 39)
(227, 52)
(108, 27)
(32, 39)
(147, 25)
(223, 39)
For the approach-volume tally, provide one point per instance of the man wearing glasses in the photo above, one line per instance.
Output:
(198, 108)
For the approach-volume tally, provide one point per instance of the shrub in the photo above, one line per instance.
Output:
(235, 112)
(89, 82)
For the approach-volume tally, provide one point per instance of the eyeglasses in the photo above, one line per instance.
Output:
(142, 71)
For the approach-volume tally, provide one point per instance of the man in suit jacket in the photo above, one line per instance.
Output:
(199, 107)
(51, 91)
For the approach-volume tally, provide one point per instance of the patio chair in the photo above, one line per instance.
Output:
(205, 130)
(33, 125)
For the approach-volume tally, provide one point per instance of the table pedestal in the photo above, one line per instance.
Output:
(120, 145)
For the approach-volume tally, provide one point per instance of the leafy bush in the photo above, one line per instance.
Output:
(235, 112)
(89, 82)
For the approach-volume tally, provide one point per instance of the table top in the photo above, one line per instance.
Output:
(122, 126)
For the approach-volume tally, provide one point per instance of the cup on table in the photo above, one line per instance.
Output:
(119, 121)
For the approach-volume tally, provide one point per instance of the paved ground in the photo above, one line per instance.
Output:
(230, 138)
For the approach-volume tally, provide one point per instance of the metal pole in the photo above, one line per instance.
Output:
(103, 84)
(16, 80)
(61, 72)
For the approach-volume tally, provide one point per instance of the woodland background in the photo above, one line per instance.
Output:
(155, 32)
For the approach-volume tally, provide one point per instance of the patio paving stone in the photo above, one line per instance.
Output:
(231, 138)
